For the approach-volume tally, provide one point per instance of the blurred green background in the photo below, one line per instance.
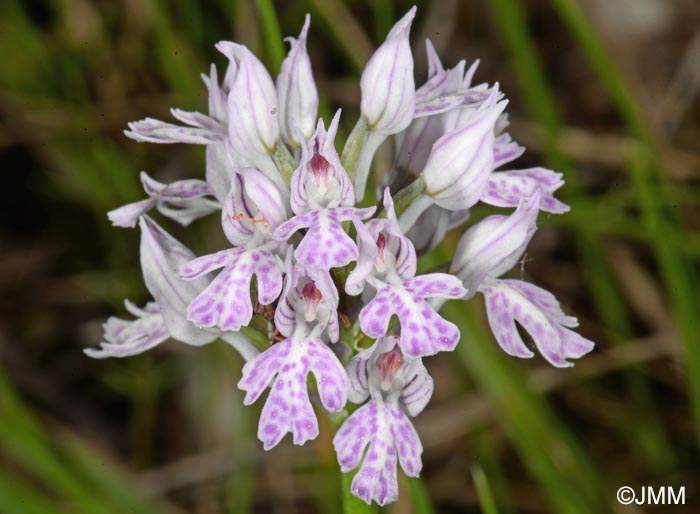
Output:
(604, 91)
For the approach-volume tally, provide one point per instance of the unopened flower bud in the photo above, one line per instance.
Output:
(298, 97)
(388, 89)
(493, 246)
(253, 111)
(461, 161)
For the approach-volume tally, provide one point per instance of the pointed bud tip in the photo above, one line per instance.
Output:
(403, 25)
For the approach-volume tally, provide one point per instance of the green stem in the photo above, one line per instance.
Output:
(353, 147)
(404, 198)
(284, 161)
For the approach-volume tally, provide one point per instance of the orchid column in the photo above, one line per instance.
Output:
(328, 290)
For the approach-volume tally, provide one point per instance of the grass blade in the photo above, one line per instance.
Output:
(608, 300)
(483, 491)
(272, 36)
(63, 465)
(549, 451)
(347, 32)
(649, 181)
(419, 496)
(17, 496)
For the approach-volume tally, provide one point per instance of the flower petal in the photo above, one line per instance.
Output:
(226, 302)
(505, 149)
(185, 212)
(575, 345)
(205, 264)
(180, 190)
(298, 222)
(505, 305)
(197, 119)
(507, 188)
(423, 331)
(330, 376)
(353, 436)
(325, 245)
(435, 284)
(433, 106)
(258, 372)
(181, 201)
(406, 441)
(388, 433)
(544, 300)
(288, 408)
(418, 390)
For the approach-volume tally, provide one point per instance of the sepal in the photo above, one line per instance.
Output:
(253, 208)
(183, 201)
(315, 308)
(124, 338)
(150, 130)
(161, 257)
(384, 250)
(320, 181)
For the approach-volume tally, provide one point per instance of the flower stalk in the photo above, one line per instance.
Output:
(353, 147)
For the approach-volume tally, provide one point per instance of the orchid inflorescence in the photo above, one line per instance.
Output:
(325, 267)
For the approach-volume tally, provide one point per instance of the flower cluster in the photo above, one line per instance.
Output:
(289, 209)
